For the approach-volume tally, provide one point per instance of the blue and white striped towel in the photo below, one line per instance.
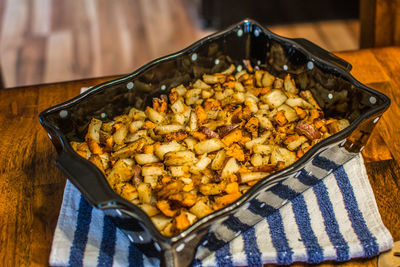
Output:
(337, 219)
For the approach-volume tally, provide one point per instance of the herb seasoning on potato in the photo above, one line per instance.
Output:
(201, 147)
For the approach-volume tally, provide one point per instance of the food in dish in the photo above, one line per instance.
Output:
(205, 144)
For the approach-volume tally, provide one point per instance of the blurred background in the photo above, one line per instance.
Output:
(45, 41)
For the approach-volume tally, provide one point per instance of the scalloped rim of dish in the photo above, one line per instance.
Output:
(263, 184)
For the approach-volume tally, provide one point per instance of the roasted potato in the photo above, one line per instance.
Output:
(204, 145)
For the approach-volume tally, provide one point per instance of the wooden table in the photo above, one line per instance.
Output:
(31, 187)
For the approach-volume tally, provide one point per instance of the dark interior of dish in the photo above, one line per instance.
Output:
(331, 88)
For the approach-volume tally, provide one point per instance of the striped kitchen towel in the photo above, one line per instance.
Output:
(337, 219)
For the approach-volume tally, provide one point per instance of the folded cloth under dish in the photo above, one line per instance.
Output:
(337, 219)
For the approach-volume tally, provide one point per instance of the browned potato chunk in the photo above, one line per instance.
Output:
(179, 158)
(143, 159)
(179, 171)
(154, 116)
(127, 191)
(230, 167)
(309, 97)
(94, 130)
(166, 129)
(263, 149)
(200, 209)
(149, 209)
(208, 146)
(173, 146)
(135, 126)
(267, 79)
(210, 189)
(160, 221)
(229, 70)
(290, 85)
(250, 176)
(295, 141)
(130, 149)
(274, 98)
(156, 169)
(290, 113)
(280, 154)
(145, 193)
(219, 160)
(298, 102)
(121, 172)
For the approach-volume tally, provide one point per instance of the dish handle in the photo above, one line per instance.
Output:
(323, 54)
(87, 178)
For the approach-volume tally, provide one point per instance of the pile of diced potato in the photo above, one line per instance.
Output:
(201, 147)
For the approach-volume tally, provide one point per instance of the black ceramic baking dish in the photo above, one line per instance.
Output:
(313, 68)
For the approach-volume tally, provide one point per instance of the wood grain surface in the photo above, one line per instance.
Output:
(31, 187)
(45, 41)
(379, 23)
